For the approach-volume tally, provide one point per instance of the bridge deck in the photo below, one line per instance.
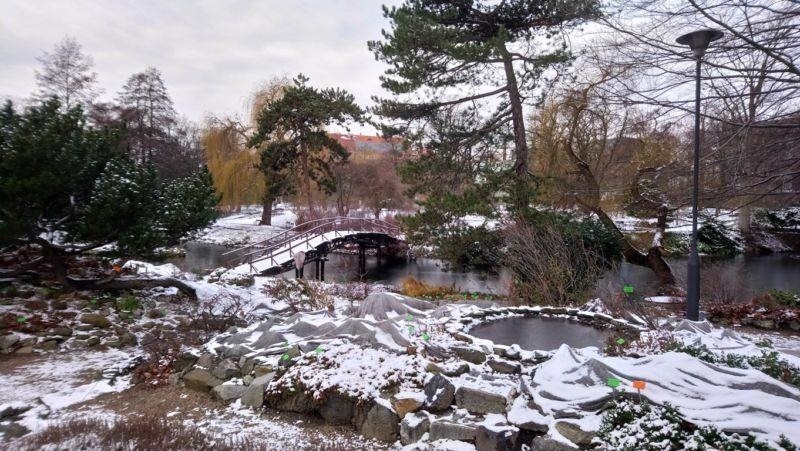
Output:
(280, 250)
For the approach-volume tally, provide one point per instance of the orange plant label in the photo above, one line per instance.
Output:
(639, 385)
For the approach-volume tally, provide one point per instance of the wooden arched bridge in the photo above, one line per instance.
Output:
(315, 239)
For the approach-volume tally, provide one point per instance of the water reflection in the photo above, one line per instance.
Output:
(756, 273)
(545, 334)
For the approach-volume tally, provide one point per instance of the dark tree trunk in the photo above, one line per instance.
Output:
(521, 198)
(266, 212)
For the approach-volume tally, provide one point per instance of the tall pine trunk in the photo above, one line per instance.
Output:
(521, 196)
(266, 212)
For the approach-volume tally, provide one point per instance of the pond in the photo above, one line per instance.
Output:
(538, 333)
(754, 273)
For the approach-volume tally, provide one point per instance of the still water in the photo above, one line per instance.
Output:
(544, 334)
(755, 273)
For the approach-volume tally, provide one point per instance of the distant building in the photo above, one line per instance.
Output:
(366, 146)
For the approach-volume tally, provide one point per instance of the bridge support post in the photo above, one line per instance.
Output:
(362, 259)
(316, 269)
(322, 268)
(379, 254)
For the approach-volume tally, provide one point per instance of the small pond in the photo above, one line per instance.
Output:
(753, 273)
(539, 333)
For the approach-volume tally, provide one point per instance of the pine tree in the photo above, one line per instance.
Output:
(67, 188)
(67, 75)
(464, 70)
(291, 133)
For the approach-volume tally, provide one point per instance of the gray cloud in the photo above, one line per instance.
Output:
(212, 53)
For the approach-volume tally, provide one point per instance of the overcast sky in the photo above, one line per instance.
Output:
(212, 53)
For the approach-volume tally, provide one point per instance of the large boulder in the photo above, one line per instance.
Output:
(439, 393)
(413, 427)
(337, 409)
(545, 443)
(489, 438)
(228, 392)
(254, 395)
(380, 306)
(443, 429)
(575, 434)
(226, 369)
(482, 400)
(407, 402)
(96, 320)
(295, 401)
(200, 379)
(381, 423)
(469, 354)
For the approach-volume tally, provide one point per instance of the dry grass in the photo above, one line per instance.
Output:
(418, 289)
(135, 433)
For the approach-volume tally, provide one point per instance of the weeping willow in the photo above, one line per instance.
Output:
(233, 166)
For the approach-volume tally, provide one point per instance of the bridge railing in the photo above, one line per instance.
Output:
(302, 234)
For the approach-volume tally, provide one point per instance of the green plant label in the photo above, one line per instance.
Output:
(613, 382)
(22, 319)
(319, 350)
(426, 337)
(411, 329)
(628, 289)
(620, 341)
(285, 357)
(409, 317)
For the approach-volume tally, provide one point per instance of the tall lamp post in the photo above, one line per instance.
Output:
(697, 41)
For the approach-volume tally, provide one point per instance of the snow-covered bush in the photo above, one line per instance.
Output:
(300, 294)
(768, 362)
(629, 426)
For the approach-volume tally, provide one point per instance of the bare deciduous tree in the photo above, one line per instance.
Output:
(67, 75)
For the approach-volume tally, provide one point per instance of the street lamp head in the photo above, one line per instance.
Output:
(698, 40)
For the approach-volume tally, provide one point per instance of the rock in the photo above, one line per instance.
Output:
(496, 438)
(413, 427)
(574, 434)
(261, 370)
(61, 331)
(254, 395)
(478, 400)
(13, 411)
(226, 369)
(548, 444)
(25, 350)
(184, 361)
(381, 423)
(504, 366)
(8, 341)
(471, 355)
(93, 341)
(513, 352)
(294, 401)
(439, 393)
(526, 416)
(337, 409)
(113, 342)
(794, 325)
(228, 392)
(205, 361)
(200, 379)
(764, 323)
(35, 304)
(48, 345)
(450, 430)
(12, 430)
(96, 320)
(58, 304)
(407, 402)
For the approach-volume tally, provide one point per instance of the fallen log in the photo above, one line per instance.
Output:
(131, 283)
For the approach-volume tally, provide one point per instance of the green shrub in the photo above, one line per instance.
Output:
(787, 298)
(128, 303)
(714, 238)
(630, 426)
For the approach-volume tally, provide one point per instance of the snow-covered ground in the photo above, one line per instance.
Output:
(239, 229)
